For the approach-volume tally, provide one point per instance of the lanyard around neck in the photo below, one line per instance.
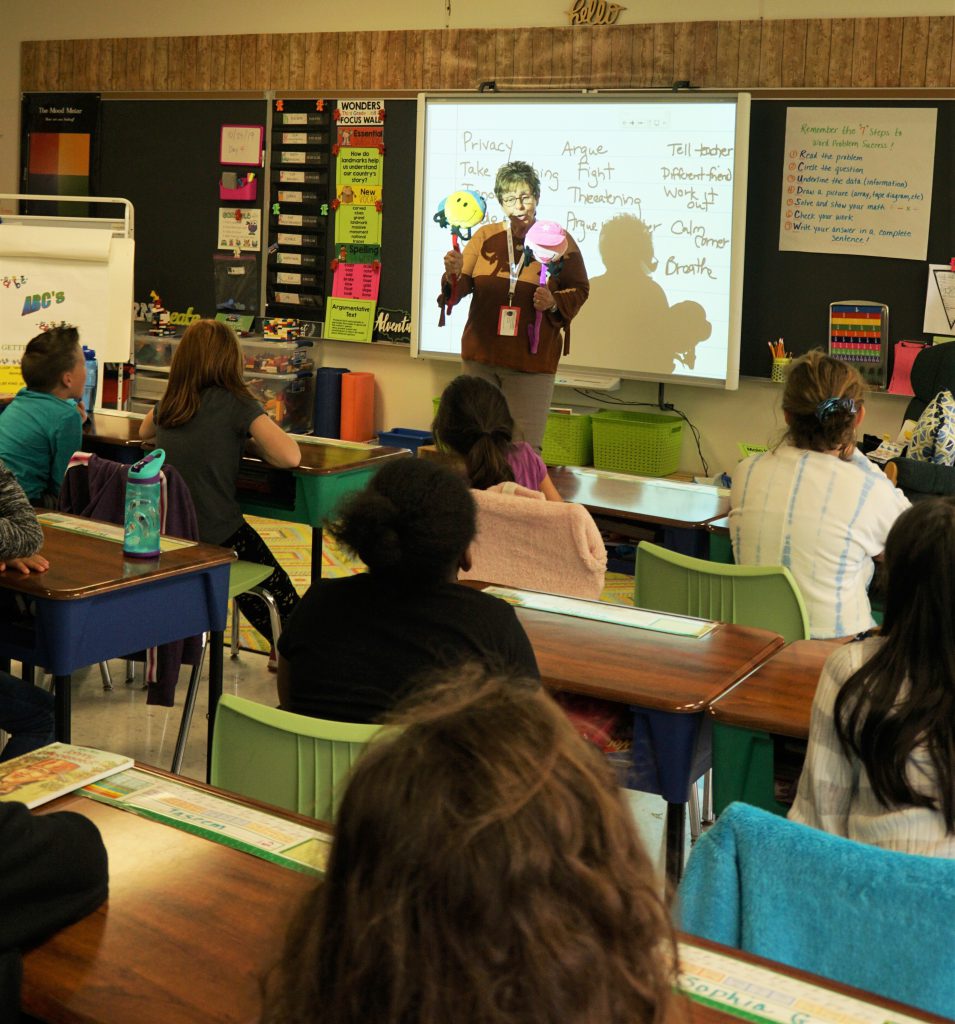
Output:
(514, 268)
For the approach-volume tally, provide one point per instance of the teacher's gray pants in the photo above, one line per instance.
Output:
(528, 397)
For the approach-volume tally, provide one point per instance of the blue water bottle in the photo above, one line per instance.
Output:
(141, 536)
(89, 389)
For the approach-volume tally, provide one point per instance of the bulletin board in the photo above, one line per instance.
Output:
(163, 155)
(787, 294)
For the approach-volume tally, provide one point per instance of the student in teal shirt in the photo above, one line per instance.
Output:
(43, 425)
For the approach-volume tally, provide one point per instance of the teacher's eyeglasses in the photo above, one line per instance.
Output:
(522, 200)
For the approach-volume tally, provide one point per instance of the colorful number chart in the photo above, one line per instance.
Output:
(859, 334)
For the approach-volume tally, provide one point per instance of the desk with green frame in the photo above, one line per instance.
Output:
(329, 471)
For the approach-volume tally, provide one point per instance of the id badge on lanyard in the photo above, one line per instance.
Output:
(509, 316)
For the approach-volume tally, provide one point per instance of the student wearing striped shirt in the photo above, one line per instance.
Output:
(813, 503)
(880, 767)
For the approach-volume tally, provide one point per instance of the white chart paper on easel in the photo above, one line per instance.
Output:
(858, 181)
(940, 300)
(82, 277)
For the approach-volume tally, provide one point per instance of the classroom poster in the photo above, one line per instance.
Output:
(349, 319)
(360, 195)
(358, 224)
(940, 300)
(240, 228)
(57, 144)
(351, 253)
(351, 113)
(858, 180)
(357, 281)
(366, 137)
(359, 166)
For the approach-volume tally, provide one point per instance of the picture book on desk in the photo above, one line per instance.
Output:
(55, 770)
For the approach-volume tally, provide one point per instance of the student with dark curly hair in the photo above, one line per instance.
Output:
(813, 503)
(473, 420)
(355, 646)
(485, 869)
(880, 767)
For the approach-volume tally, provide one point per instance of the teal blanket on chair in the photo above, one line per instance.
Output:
(880, 920)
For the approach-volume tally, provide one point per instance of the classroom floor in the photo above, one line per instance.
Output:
(120, 720)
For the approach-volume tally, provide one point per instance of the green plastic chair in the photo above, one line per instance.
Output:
(244, 578)
(763, 596)
(291, 761)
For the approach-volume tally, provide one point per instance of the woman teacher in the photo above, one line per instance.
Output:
(503, 279)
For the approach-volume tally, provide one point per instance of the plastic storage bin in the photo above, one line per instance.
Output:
(568, 439)
(644, 443)
(153, 353)
(405, 437)
(275, 356)
(287, 398)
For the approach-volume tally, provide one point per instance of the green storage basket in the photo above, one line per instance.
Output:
(644, 443)
(568, 440)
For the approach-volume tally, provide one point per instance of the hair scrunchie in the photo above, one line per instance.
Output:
(833, 405)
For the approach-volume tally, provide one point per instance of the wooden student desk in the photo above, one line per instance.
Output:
(191, 925)
(775, 701)
(94, 604)
(667, 681)
(622, 503)
(307, 494)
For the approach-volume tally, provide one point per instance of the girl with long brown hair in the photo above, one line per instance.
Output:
(485, 869)
(204, 422)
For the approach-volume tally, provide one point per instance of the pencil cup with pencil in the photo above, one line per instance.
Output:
(781, 360)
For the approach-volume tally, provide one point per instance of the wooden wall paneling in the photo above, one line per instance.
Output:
(431, 60)
(818, 45)
(840, 52)
(750, 40)
(232, 64)
(263, 62)
(147, 64)
(81, 69)
(561, 58)
(522, 45)
(888, 58)
(683, 58)
(621, 56)
(864, 49)
(66, 64)
(938, 62)
(119, 80)
(192, 74)
(162, 47)
(601, 52)
(296, 62)
(583, 68)
(663, 75)
(174, 82)
(504, 70)
(793, 71)
(321, 54)
(395, 47)
(247, 47)
(914, 52)
(365, 73)
(641, 56)
(727, 54)
(204, 74)
(771, 55)
(278, 73)
(28, 56)
(48, 67)
(705, 45)
(462, 71)
(413, 59)
(101, 58)
(542, 60)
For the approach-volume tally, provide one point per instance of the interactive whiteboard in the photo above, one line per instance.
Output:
(651, 187)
